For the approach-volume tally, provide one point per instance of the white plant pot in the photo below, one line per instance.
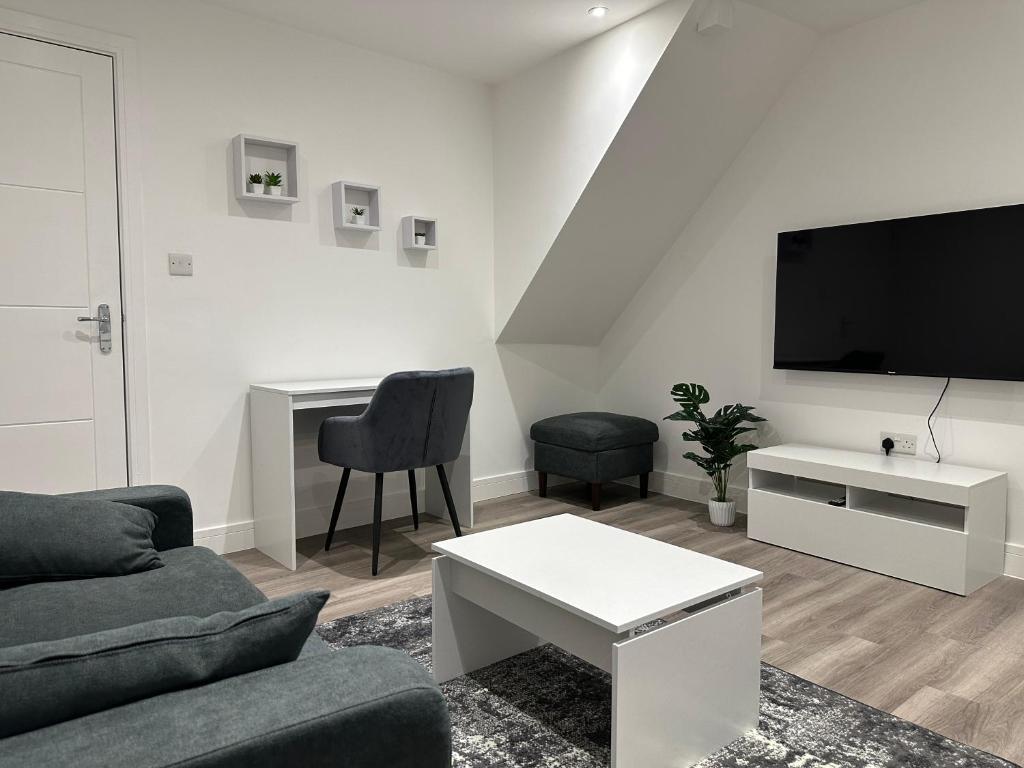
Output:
(256, 189)
(274, 191)
(723, 513)
(360, 220)
(421, 239)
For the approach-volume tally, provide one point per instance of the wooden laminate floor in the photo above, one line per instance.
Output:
(952, 664)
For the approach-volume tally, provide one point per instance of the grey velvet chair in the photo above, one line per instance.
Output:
(415, 419)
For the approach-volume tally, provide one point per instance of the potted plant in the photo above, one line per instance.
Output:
(358, 215)
(256, 183)
(272, 180)
(421, 238)
(717, 436)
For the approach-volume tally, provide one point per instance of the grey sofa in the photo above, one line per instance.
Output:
(358, 707)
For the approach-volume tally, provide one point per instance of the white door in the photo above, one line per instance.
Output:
(62, 405)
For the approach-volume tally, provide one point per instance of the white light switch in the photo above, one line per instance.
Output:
(180, 264)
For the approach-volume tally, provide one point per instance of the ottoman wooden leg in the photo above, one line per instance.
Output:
(595, 496)
(542, 481)
(643, 485)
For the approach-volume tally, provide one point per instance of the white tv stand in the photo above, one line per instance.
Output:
(935, 524)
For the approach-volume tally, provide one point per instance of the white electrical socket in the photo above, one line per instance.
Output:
(180, 264)
(903, 443)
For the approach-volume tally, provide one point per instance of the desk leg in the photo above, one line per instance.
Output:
(273, 475)
(460, 479)
(466, 637)
(685, 690)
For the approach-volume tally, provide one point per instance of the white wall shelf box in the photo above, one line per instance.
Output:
(346, 195)
(255, 154)
(413, 225)
(939, 525)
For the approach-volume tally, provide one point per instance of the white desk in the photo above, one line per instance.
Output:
(680, 691)
(272, 410)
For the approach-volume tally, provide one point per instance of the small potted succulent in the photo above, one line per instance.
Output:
(717, 436)
(421, 238)
(272, 180)
(358, 215)
(256, 183)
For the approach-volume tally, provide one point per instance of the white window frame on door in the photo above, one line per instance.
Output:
(129, 185)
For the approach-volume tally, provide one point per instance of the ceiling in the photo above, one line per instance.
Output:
(831, 15)
(487, 40)
(492, 40)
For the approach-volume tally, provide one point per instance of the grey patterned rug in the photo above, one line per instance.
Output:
(547, 709)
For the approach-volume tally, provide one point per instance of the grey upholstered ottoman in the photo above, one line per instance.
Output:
(594, 447)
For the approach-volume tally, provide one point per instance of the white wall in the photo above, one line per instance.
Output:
(703, 101)
(913, 113)
(278, 299)
(552, 126)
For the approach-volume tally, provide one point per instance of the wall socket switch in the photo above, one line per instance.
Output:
(180, 264)
(903, 443)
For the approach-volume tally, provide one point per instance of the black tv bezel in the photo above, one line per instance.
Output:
(863, 371)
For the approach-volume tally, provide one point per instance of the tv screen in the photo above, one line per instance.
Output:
(939, 295)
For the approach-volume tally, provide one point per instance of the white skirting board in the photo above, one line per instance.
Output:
(1015, 561)
(236, 537)
(496, 486)
(233, 537)
(687, 488)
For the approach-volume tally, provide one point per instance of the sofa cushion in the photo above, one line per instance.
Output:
(46, 538)
(57, 680)
(362, 707)
(193, 582)
(170, 504)
(594, 431)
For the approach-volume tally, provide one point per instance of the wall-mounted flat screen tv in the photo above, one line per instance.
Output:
(939, 295)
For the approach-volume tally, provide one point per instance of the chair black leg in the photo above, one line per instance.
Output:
(448, 499)
(378, 494)
(542, 482)
(337, 507)
(643, 485)
(412, 498)
(595, 496)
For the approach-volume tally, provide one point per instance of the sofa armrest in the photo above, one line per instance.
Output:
(170, 504)
(361, 707)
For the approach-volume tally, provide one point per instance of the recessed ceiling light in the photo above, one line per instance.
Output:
(598, 11)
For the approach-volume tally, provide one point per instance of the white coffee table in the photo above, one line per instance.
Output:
(679, 692)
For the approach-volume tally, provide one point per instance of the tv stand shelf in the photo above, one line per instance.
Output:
(935, 524)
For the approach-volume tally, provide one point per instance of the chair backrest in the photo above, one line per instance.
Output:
(420, 416)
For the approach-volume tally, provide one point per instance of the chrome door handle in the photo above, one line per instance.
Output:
(103, 318)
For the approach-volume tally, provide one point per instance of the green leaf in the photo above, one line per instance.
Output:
(693, 395)
(678, 416)
(701, 461)
(716, 434)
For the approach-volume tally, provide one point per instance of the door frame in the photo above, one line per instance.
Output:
(127, 135)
